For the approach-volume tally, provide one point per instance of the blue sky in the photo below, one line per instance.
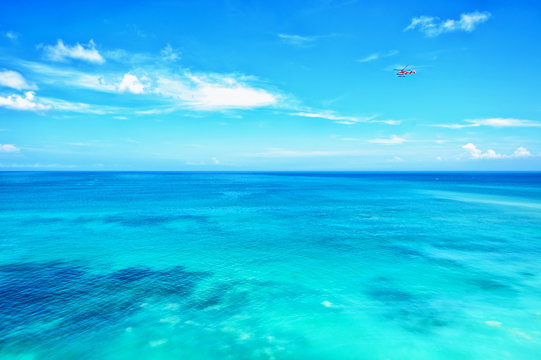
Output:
(270, 85)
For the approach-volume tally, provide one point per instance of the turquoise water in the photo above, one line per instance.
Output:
(270, 266)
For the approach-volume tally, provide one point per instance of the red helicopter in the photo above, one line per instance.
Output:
(403, 72)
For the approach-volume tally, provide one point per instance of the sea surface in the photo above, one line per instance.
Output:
(105, 265)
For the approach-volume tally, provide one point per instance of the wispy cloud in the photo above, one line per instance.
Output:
(78, 107)
(393, 140)
(433, 26)
(99, 82)
(476, 153)
(345, 120)
(214, 91)
(29, 102)
(63, 53)
(9, 148)
(297, 40)
(11, 35)
(492, 122)
(378, 55)
(198, 91)
(15, 80)
(169, 54)
(68, 76)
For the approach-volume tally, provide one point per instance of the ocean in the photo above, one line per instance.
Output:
(180, 265)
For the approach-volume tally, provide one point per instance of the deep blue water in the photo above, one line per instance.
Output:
(270, 265)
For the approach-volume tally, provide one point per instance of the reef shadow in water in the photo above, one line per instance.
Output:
(66, 299)
(412, 312)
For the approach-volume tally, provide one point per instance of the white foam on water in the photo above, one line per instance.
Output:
(493, 200)
(157, 342)
(171, 306)
(522, 334)
(244, 336)
(493, 323)
(173, 320)
(326, 303)
(129, 329)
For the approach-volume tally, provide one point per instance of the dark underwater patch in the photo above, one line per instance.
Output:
(413, 312)
(415, 254)
(130, 274)
(136, 220)
(493, 285)
(71, 299)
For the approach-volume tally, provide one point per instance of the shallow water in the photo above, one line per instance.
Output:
(270, 266)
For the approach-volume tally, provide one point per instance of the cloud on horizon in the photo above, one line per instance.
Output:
(8, 148)
(476, 153)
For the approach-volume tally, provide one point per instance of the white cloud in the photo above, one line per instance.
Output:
(393, 140)
(493, 122)
(15, 80)
(378, 55)
(8, 148)
(215, 161)
(521, 152)
(433, 26)
(131, 83)
(476, 153)
(345, 120)
(18, 102)
(62, 53)
(207, 91)
(214, 92)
